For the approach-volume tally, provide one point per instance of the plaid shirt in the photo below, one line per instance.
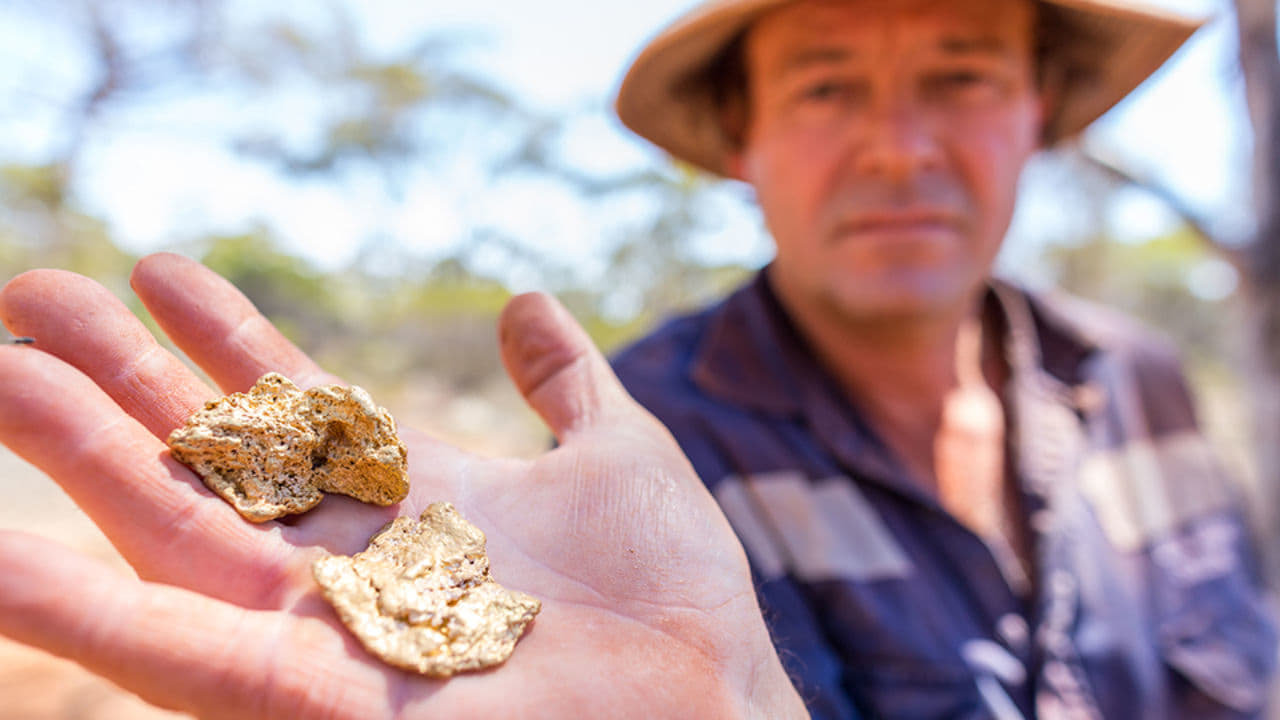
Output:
(1144, 601)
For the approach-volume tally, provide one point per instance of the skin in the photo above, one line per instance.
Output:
(886, 166)
(884, 141)
(648, 606)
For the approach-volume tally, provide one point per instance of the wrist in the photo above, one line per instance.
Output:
(766, 692)
(771, 694)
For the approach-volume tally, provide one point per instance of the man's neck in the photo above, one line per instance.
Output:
(898, 372)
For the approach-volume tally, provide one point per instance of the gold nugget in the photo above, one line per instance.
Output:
(276, 450)
(420, 597)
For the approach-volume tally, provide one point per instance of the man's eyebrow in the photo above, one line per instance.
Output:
(974, 45)
(810, 56)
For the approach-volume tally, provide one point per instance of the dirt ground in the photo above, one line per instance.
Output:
(33, 684)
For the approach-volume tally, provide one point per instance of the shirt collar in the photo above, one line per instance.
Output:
(753, 356)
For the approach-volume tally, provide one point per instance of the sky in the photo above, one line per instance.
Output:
(164, 169)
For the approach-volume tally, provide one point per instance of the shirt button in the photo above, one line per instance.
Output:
(1061, 582)
(1090, 397)
(1013, 630)
(1058, 674)
(1042, 522)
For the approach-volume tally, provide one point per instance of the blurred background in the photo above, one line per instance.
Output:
(379, 177)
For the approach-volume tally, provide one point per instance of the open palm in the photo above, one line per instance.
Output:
(648, 608)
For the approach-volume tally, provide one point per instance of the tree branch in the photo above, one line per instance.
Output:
(1256, 26)
(1198, 224)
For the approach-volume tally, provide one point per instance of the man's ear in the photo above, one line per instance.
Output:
(1046, 104)
(1049, 92)
(732, 115)
(735, 165)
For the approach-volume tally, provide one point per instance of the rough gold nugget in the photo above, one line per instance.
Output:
(420, 597)
(276, 450)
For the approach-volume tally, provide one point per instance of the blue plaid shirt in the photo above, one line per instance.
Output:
(1143, 600)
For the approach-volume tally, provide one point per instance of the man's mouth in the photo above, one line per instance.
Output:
(899, 222)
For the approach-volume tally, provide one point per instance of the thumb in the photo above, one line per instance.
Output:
(557, 367)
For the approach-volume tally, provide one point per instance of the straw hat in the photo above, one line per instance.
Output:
(1106, 48)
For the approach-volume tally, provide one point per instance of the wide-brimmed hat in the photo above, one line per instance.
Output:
(1106, 48)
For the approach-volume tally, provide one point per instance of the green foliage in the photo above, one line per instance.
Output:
(451, 289)
(1152, 281)
(277, 282)
(42, 227)
(385, 112)
(379, 105)
(43, 185)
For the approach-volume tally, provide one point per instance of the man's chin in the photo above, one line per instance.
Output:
(915, 299)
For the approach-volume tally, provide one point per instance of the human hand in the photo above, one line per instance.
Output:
(648, 607)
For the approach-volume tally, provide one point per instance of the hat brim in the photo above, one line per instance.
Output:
(1112, 46)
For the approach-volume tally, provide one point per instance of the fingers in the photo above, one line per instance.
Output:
(217, 326)
(557, 368)
(79, 321)
(221, 330)
(154, 511)
(178, 649)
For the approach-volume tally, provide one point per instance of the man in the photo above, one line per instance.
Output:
(648, 604)
(959, 500)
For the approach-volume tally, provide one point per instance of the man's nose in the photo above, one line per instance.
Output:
(896, 141)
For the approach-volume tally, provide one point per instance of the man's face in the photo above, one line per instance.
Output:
(884, 140)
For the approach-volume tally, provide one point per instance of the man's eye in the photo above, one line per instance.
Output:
(822, 91)
(963, 84)
(963, 79)
(828, 91)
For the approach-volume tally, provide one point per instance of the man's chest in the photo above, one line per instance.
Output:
(875, 591)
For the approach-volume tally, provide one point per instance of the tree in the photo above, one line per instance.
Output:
(1259, 261)
(1256, 259)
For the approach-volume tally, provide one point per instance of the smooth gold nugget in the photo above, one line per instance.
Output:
(420, 597)
(276, 450)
